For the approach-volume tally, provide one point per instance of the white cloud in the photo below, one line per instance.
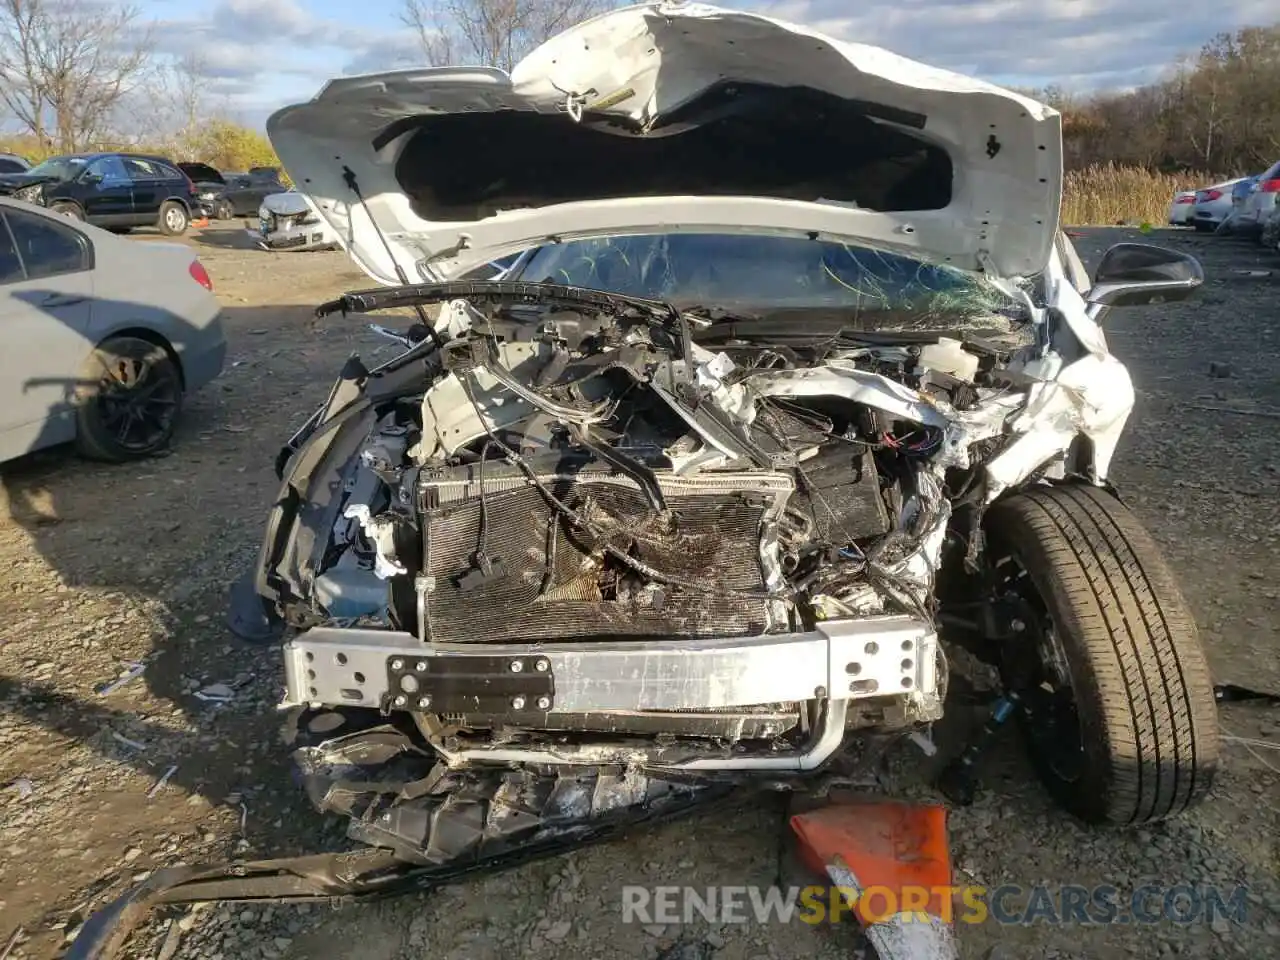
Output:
(1081, 44)
(261, 54)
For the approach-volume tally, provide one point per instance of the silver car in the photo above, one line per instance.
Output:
(286, 222)
(103, 336)
(1253, 216)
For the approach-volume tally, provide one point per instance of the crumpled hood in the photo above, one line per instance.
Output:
(677, 114)
(285, 204)
(9, 182)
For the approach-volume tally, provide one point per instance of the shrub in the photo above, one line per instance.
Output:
(1107, 194)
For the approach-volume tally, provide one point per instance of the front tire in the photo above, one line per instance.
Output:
(129, 401)
(174, 219)
(1126, 648)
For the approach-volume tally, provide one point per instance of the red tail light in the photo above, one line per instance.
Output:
(1270, 186)
(1190, 199)
(1210, 195)
(200, 275)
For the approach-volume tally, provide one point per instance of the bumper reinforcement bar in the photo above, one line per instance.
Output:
(388, 670)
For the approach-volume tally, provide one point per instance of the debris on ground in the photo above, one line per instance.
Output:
(160, 784)
(216, 693)
(132, 672)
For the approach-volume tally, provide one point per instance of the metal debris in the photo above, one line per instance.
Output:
(11, 942)
(133, 671)
(216, 693)
(131, 744)
(159, 785)
(171, 940)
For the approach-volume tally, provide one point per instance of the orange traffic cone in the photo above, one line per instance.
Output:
(891, 865)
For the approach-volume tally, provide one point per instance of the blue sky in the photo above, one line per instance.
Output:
(260, 54)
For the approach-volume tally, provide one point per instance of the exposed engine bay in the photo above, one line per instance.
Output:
(593, 528)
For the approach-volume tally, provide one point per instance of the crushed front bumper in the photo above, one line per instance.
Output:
(890, 658)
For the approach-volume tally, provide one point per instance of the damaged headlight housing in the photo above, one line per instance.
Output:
(295, 220)
(31, 194)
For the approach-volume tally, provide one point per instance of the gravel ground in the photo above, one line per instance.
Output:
(111, 566)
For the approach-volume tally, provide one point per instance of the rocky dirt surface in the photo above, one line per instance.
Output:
(109, 567)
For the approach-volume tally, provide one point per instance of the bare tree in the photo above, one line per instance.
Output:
(67, 65)
(495, 33)
(172, 103)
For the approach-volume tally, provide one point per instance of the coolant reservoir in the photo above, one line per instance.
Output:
(949, 356)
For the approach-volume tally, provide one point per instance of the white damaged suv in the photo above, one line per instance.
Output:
(794, 387)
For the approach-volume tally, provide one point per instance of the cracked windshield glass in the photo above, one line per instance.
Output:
(759, 275)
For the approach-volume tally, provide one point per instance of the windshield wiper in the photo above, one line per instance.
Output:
(714, 313)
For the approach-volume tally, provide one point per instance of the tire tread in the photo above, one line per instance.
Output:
(1152, 697)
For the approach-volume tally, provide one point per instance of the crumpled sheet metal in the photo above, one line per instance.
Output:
(398, 797)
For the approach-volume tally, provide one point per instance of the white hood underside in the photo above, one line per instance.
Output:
(639, 64)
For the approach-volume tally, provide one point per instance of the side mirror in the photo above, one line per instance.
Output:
(1131, 274)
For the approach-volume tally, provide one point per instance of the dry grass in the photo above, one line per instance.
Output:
(1109, 194)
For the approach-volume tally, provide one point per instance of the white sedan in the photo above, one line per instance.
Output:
(1181, 208)
(1212, 204)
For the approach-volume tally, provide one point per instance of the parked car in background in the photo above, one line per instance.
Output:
(103, 336)
(1181, 208)
(1213, 204)
(119, 190)
(1270, 236)
(1239, 197)
(287, 222)
(224, 196)
(12, 163)
(1260, 203)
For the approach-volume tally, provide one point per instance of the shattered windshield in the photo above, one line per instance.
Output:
(761, 274)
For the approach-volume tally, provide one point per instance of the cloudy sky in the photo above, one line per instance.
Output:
(259, 54)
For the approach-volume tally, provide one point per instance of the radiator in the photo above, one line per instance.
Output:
(555, 582)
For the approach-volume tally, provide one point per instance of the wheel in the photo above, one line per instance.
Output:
(129, 402)
(224, 211)
(68, 209)
(1122, 724)
(174, 218)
